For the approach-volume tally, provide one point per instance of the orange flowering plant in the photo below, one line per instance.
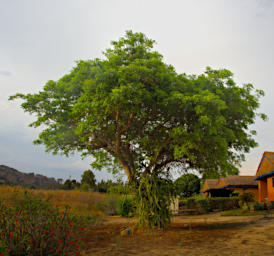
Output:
(36, 227)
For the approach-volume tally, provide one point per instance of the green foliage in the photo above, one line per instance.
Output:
(109, 205)
(105, 186)
(85, 187)
(246, 198)
(70, 184)
(127, 206)
(203, 206)
(119, 189)
(271, 205)
(259, 206)
(235, 194)
(224, 203)
(102, 186)
(88, 178)
(191, 203)
(34, 227)
(195, 197)
(187, 185)
(132, 111)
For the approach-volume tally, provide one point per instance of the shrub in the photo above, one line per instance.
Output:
(191, 203)
(34, 227)
(126, 206)
(223, 203)
(109, 205)
(118, 189)
(235, 194)
(271, 205)
(246, 198)
(259, 206)
(182, 204)
(85, 187)
(203, 206)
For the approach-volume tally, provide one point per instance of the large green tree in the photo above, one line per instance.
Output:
(132, 111)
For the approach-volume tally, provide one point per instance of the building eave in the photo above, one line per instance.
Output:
(264, 175)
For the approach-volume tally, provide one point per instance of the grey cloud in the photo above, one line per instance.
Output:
(265, 3)
(5, 73)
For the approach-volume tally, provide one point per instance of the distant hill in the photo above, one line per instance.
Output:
(11, 176)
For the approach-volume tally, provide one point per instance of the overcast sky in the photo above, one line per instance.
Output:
(41, 40)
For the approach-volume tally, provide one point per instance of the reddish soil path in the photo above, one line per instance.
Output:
(192, 235)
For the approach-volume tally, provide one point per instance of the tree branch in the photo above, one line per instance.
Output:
(158, 155)
(128, 124)
(118, 133)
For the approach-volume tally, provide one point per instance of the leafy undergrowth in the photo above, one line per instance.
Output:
(241, 212)
(34, 226)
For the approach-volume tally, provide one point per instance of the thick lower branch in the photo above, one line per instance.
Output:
(127, 169)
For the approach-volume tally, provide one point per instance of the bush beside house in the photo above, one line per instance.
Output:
(207, 205)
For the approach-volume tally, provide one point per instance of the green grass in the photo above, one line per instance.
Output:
(241, 212)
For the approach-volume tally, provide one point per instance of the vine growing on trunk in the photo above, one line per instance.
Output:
(154, 196)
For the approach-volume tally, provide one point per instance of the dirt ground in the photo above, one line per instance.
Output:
(209, 234)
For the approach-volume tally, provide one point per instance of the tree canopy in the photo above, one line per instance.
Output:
(134, 112)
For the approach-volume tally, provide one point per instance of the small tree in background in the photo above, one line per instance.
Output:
(104, 186)
(188, 185)
(67, 185)
(60, 181)
(88, 178)
(71, 184)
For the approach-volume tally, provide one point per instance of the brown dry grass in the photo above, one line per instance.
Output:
(82, 203)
